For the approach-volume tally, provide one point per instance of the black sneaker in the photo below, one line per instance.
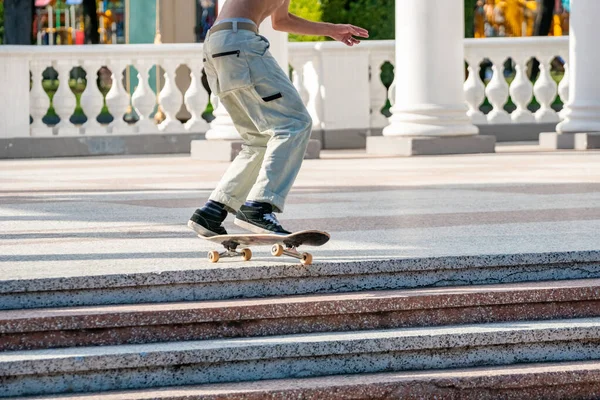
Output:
(259, 219)
(207, 224)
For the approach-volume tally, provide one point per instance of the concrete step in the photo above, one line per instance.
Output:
(104, 368)
(547, 381)
(234, 280)
(166, 322)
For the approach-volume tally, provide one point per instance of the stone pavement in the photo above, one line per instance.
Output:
(97, 216)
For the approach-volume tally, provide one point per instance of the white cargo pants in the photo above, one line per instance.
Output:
(267, 112)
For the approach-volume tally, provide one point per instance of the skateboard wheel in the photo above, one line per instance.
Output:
(213, 256)
(306, 259)
(247, 254)
(277, 250)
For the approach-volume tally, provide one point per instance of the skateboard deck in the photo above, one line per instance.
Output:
(281, 244)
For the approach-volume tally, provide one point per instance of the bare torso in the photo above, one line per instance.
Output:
(256, 10)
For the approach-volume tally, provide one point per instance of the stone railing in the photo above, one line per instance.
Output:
(73, 106)
(343, 88)
(552, 54)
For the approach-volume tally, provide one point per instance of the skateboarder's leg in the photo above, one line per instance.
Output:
(278, 111)
(239, 178)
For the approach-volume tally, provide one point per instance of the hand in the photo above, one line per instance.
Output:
(345, 33)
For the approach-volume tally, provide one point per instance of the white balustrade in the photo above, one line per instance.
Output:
(378, 91)
(64, 100)
(545, 90)
(306, 63)
(563, 90)
(333, 80)
(474, 93)
(92, 100)
(39, 100)
(144, 99)
(497, 93)
(521, 93)
(196, 98)
(117, 99)
(170, 99)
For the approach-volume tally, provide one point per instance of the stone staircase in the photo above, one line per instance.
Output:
(474, 327)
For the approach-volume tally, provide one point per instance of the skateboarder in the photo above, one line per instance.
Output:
(267, 112)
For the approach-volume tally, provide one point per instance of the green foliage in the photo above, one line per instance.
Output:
(1, 22)
(470, 18)
(377, 16)
(307, 9)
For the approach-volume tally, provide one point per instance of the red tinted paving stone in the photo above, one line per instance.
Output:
(551, 381)
(143, 323)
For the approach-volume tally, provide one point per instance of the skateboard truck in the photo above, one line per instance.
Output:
(278, 250)
(230, 252)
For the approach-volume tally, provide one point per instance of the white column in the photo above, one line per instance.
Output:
(582, 112)
(429, 70)
(429, 115)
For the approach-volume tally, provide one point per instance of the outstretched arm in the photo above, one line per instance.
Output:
(283, 20)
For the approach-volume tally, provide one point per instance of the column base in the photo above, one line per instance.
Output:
(421, 145)
(587, 141)
(557, 141)
(227, 150)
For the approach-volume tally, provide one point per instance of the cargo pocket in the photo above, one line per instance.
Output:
(232, 70)
(276, 96)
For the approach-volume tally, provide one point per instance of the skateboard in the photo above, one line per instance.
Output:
(281, 244)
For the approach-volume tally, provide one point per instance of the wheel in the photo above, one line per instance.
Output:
(306, 259)
(213, 256)
(277, 250)
(247, 254)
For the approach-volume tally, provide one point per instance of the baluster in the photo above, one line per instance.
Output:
(521, 92)
(144, 99)
(64, 99)
(563, 91)
(117, 99)
(170, 100)
(378, 92)
(545, 92)
(298, 79)
(497, 94)
(39, 100)
(474, 93)
(196, 98)
(312, 83)
(92, 99)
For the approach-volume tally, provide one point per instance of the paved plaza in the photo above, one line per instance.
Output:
(98, 216)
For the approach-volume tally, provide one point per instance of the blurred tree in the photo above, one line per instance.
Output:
(470, 17)
(375, 15)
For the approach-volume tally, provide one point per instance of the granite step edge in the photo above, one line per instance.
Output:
(295, 306)
(532, 381)
(221, 273)
(53, 361)
(152, 323)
